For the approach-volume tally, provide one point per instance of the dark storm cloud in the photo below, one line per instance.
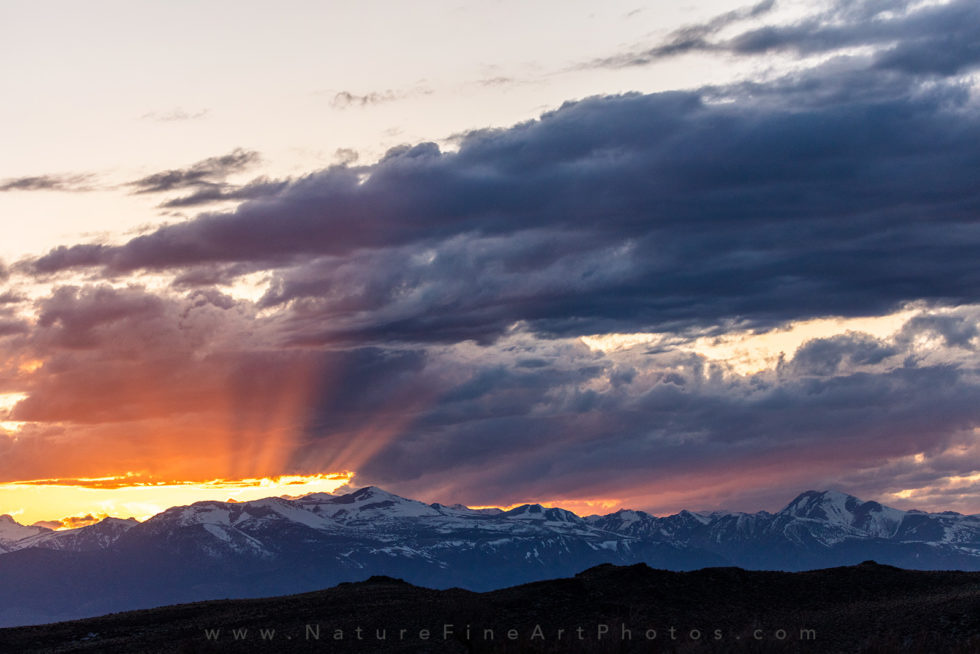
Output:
(826, 355)
(827, 193)
(206, 173)
(68, 183)
(954, 330)
(937, 39)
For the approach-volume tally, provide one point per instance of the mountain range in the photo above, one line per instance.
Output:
(276, 546)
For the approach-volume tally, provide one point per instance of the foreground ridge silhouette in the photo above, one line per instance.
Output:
(863, 608)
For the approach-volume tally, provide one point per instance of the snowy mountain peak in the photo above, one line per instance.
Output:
(538, 512)
(821, 505)
(697, 517)
(11, 530)
(370, 503)
(97, 536)
(526, 512)
(366, 494)
(836, 508)
(629, 516)
(115, 521)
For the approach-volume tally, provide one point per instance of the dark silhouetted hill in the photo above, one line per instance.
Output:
(867, 608)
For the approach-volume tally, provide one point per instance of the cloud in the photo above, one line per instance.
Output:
(346, 99)
(209, 172)
(10, 323)
(497, 81)
(826, 356)
(64, 183)
(345, 156)
(257, 188)
(958, 331)
(136, 379)
(660, 431)
(524, 418)
(686, 39)
(74, 522)
(13, 327)
(935, 39)
(176, 115)
(801, 198)
(206, 181)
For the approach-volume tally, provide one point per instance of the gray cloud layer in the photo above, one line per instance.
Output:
(206, 173)
(72, 183)
(936, 39)
(833, 194)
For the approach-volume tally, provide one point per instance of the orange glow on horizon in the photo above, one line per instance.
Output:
(87, 500)
(577, 506)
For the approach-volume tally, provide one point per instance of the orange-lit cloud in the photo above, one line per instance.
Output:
(74, 522)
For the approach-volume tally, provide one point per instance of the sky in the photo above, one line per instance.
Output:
(665, 255)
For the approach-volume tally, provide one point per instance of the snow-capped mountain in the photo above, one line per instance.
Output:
(11, 532)
(278, 545)
(844, 515)
(97, 536)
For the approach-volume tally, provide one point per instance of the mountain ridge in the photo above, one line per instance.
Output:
(276, 546)
(865, 608)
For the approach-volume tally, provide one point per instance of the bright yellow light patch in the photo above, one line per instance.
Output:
(141, 496)
(30, 366)
(7, 402)
(606, 343)
(578, 507)
(747, 352)
(948, 485)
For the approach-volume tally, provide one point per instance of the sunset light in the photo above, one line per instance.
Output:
(140, 496)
